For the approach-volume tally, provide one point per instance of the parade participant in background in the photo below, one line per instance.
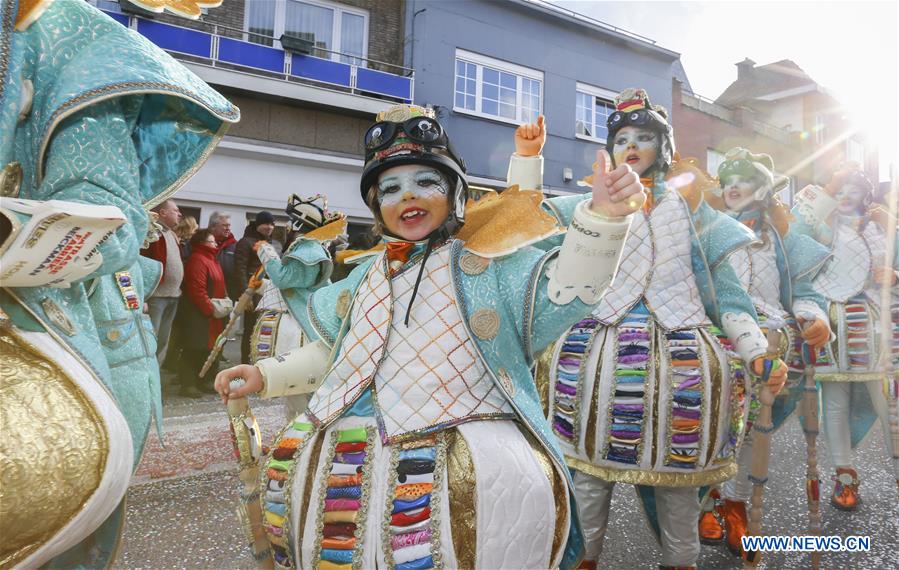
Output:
(777, 273)
(646, 390)
(841, 217)
(163, 304)
(424, 446)
(98, 121)
(277, 330)
(245, 265)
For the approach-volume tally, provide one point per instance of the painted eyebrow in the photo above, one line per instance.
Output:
(388, 180)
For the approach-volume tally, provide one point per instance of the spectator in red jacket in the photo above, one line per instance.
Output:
(206, 307)
(163, 304)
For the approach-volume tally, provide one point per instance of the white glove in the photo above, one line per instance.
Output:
(221, 308)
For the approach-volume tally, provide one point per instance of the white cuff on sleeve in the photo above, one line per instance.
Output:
(526, 172)
(588, 257)
(266, 252)
(809, 311)
(815, 205)
(744, 332)
(300, 371)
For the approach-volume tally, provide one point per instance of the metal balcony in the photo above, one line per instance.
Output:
(214, 50)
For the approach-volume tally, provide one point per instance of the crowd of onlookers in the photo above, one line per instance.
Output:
(204, 272)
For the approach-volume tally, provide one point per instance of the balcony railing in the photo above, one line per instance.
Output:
(221, 51)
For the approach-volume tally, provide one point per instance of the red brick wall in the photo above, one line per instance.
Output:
(695, 132)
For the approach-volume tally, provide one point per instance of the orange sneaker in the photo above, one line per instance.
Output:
(736, 522)
(845, 491)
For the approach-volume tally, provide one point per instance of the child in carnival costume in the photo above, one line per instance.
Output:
(425, 446)
(777, 272)
(98, 119)
(841, 217)
(643, 390)
(277, 330)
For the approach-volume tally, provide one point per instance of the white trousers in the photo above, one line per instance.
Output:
(836, 400)
(680, 540)
(738, 487)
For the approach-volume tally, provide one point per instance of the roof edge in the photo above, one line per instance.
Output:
(598, 26)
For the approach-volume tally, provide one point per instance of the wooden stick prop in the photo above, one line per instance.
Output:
(248, 449)
(240, 307)
(810, 429)
(761, 444)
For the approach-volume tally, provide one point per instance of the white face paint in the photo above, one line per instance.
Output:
(423, 183)
(739, 192)
(413, 200)
(637, 147)
(850, 199)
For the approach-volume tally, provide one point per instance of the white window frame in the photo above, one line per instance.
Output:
(852, 144)
(339, 9)
(592, 91)
(820, 128)
(480, 61)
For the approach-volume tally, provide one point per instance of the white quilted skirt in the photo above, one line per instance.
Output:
(480, 495)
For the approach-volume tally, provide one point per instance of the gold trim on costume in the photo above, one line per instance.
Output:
(462, 490)
(654, 478)
(54, 449)
(542, 376)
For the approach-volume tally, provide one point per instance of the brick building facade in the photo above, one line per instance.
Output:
(776, 109)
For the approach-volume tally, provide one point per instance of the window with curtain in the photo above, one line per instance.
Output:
(260, 16)
(497, 89)
(592, 110)
(339, 32)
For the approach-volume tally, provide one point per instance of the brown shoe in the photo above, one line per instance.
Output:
(587, 565)
(735, 524)
(845, 491)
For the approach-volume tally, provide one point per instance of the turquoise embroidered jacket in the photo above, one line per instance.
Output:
(94, 113)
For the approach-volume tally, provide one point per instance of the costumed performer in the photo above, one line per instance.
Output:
(277, 331)
(842, 217)
(777, 272)
(424, 445)
(648, 389)
(96, 125)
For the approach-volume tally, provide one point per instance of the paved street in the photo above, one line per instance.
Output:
(182, 501)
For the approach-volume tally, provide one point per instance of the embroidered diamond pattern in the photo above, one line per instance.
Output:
(431, 373)
(846, 273)
(764, 286)
(629, 283)
(361, 347)
(672, 295)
